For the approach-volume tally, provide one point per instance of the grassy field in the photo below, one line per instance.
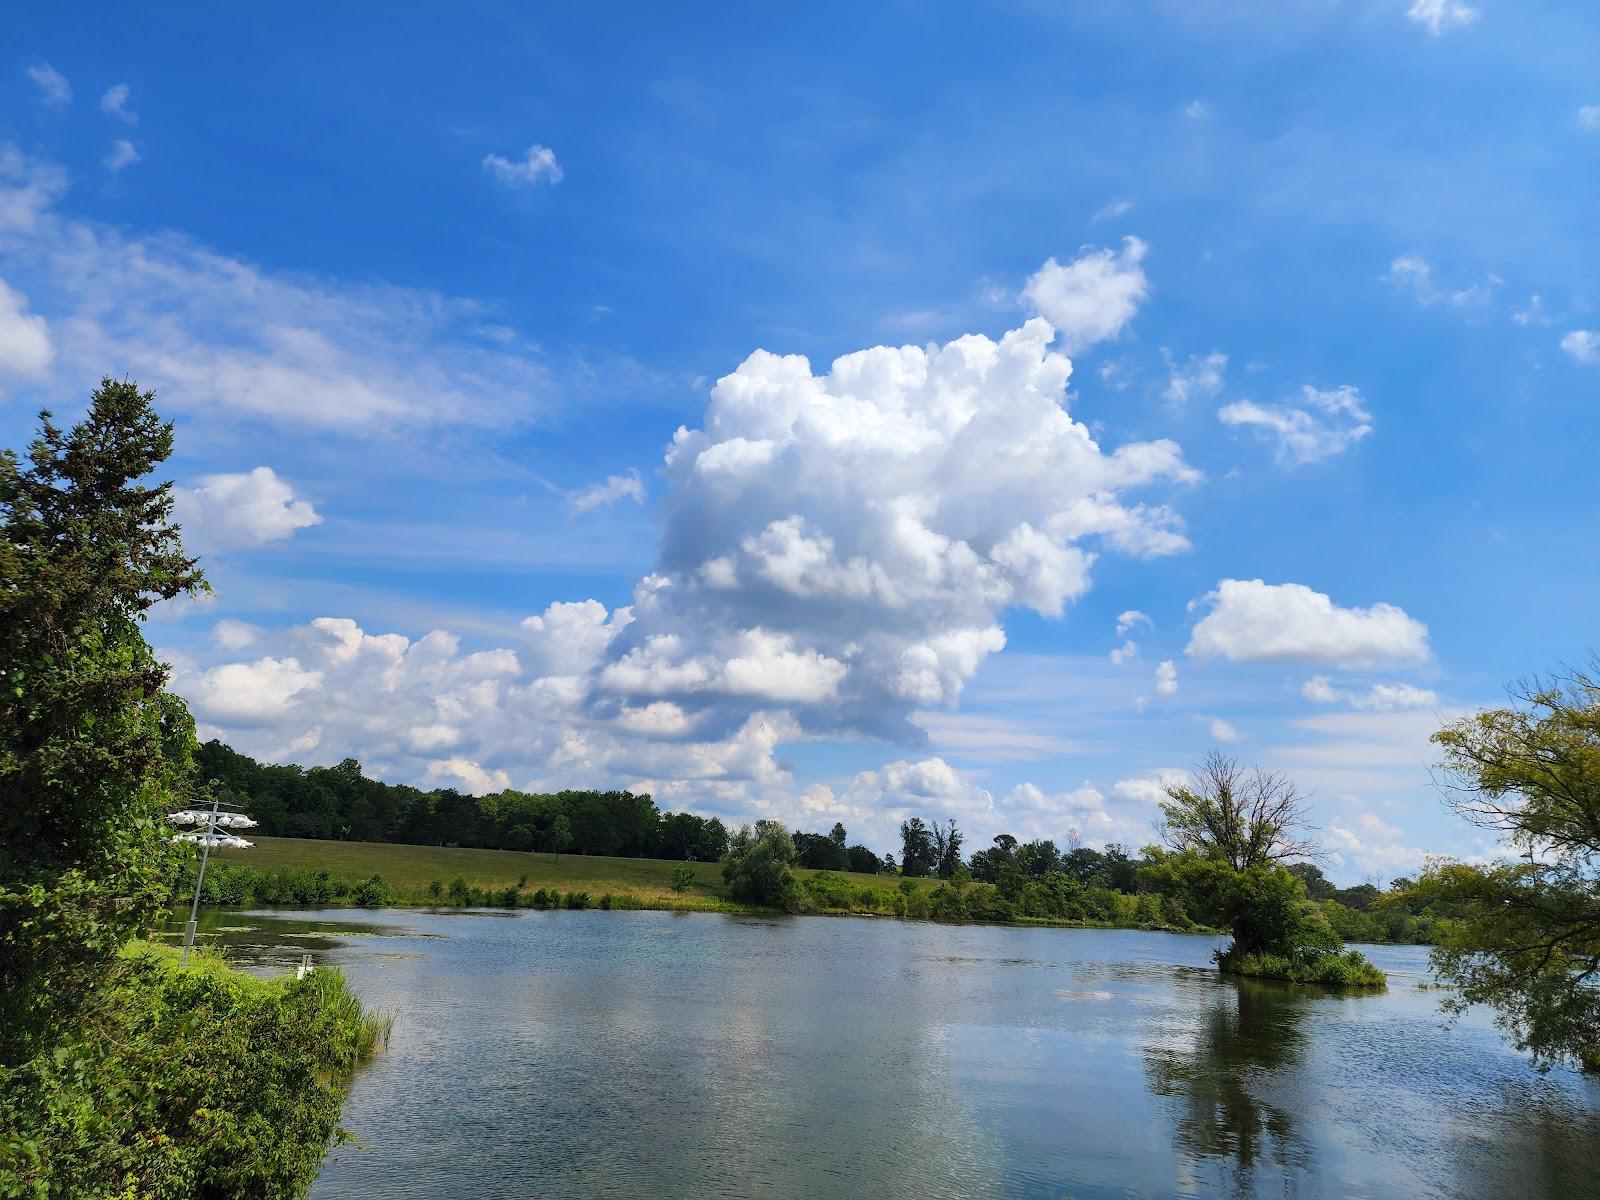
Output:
(408, 870)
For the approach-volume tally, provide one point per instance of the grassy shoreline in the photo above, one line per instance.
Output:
(526, 879)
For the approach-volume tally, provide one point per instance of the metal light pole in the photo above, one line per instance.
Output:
(207, 838)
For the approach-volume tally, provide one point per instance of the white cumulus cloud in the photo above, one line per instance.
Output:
(245, 509)
(1329, 423)
(25, 344)
(1166, 678)
(537, 163)
(1380, 697)
(251, 693)
(1582, 345)
(1438, 15)
(1252, 621)
(1093, 297)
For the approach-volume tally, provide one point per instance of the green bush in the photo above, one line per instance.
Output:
(682, 878)
(759, 866)
(372, 893)
(577, 900)
(199, 1083)
(1349, 969)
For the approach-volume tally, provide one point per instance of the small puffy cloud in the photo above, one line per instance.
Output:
(930, 788)
(537, 163)
(1330, 423)
(115, 104)
(1438, 15)
(54, 89)
(1093, 297)
(122, 154)
(1318, 690)
(1166, 678)
(1411, 272)
(1370, 846)
(1198, 379)
(1253, 621)
(247, 509)
(1589, 118)
(1131, 619)
(251, 693)
(1222, 731)
(229, 634)
(25, 344)
(1148, 789)
(1196, 110)
(600, 495)
(1534, 314)
(1582, 345)
(1380, 697)
(463, 772)
(1128, 650)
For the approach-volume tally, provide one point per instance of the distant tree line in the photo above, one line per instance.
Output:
(340, 803)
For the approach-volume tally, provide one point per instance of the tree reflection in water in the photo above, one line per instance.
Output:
(1222, 1076)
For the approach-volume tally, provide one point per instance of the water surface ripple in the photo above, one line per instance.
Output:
(659, 1055)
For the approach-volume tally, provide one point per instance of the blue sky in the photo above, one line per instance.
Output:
(429, 298)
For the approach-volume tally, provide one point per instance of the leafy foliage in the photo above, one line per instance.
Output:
(200, 1083)
(759, 865)
(1528, 941)
(340, 803)
(92, 751)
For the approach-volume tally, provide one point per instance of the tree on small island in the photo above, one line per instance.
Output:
(1229, 833)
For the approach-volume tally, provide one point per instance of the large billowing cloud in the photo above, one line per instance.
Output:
(840, 550)
(1252, 621)
(845, 543)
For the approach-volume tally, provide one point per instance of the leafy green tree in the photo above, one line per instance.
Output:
(759, 865)
(918, 855)
(92, 749)
(947, 841)
(682, 878)
(1318, 886)
(1528, 943)
(862, 860)
(559, 836)
(1230, 831)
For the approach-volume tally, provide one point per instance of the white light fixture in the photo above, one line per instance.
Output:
(206, 836)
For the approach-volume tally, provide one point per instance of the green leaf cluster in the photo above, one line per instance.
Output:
(180, 1084)
(92, 751)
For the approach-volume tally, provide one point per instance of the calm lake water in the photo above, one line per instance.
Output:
(586, 1054)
